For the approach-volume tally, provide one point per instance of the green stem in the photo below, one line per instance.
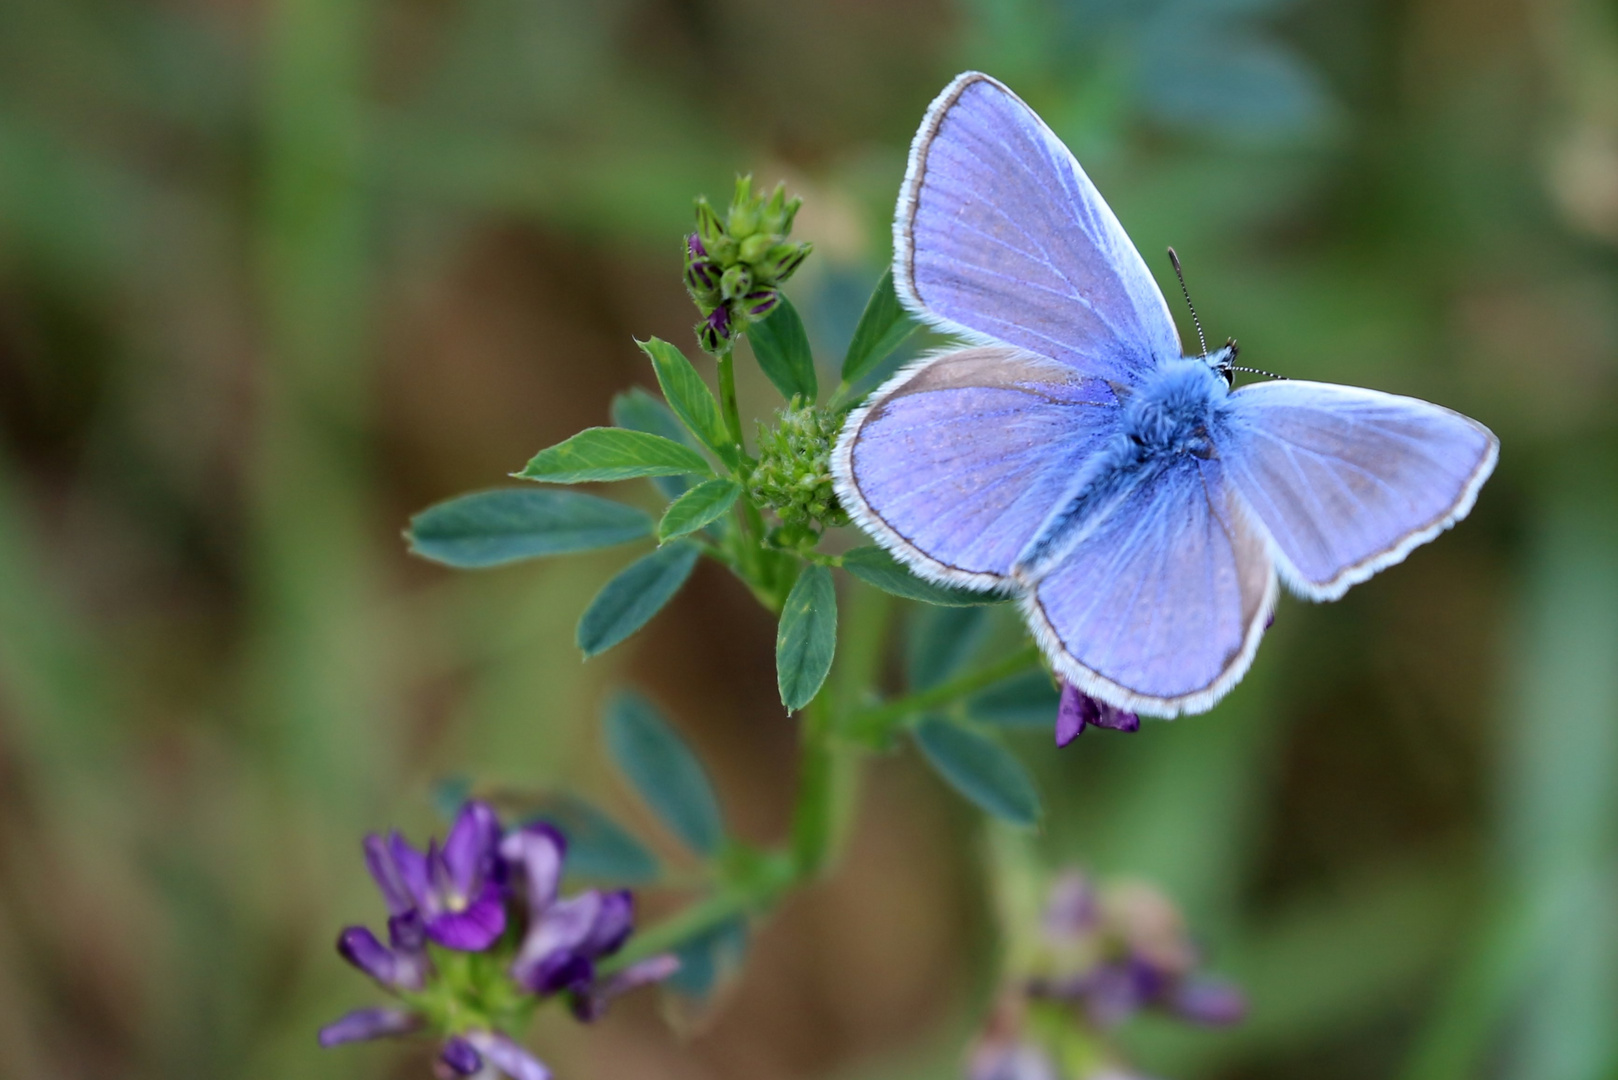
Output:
(872, 726)
(727, 400)
(818, 783)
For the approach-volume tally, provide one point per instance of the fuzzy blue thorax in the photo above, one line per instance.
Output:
(1171, 413)
(1173, 410)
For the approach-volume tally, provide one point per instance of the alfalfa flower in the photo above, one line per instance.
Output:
(478, 935)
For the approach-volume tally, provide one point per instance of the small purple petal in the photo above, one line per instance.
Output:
(407, 932)
(363, 1024)
(458, 1058)
(412, 869)
(694, 248)
(1073, 711)
(1110, 716)
(1209, 1001)
(1072, 909)
(590, 1004)
(613, 925)
(537, 852)
(1112, 993)
(476, 926)
(549, 959)
(471, 844)
(507, 1056)
(379, 860)
(360, 947)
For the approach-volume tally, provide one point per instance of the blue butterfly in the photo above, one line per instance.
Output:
(1139, 508)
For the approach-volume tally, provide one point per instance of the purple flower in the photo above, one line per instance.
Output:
(1072, 910)
(1077, 710)
(506, 1056)
(566, 938)
(403, 967)
(1212, 1002)
(364, 1024)
(456, 892)
(1011, 1061)
(457, 1057)
(714, 330)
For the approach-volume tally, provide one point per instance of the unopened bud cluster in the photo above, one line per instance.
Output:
(793, 475)
(734, 267)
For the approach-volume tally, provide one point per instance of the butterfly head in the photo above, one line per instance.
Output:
(1223, 361)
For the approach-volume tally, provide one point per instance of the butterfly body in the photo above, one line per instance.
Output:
(1142, 511)
(1173, 414)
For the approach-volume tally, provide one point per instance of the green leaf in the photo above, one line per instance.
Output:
(628, 601)
(782, 350)
(702, 505)
(602, 453)
(637, 410)
(876, 567)
(689, 397)
(664, 771)
(883, 328)
(489, 528)
(1028, 700)
(807, 638)
(597, 846)
(941, 640)
(980, 769)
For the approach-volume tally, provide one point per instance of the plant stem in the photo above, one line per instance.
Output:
(814, 814)
(727, 400)
(872, 726)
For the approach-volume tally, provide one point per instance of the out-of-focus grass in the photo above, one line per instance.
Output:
(271, 277)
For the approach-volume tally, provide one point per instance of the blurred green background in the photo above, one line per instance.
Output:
(275, 274)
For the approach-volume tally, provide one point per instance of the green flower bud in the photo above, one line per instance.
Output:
(780, 210)
(744, 210)
(710, 230)
(736, 281)
(780, 261)
(755, 247)
(793, 475)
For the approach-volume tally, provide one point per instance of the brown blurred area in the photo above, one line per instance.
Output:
(276, 275)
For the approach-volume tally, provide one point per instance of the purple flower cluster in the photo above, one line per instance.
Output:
(1078, 710)
(1124, 950)
(1103, 955)
(496, 893)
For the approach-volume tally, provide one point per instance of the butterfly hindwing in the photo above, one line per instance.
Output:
(1000, 235)
(1160, 608)
(954, 463)
(1347, 481)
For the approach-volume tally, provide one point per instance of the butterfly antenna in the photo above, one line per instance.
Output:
(1175, 259)
(1258, 371)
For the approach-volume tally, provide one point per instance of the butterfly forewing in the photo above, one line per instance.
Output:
(1000, 235)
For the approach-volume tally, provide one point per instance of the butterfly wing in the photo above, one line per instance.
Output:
(1160, 609)
(955, 462)
(999, 236)
(1348, 481)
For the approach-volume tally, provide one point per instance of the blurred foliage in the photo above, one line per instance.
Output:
(274, 276)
